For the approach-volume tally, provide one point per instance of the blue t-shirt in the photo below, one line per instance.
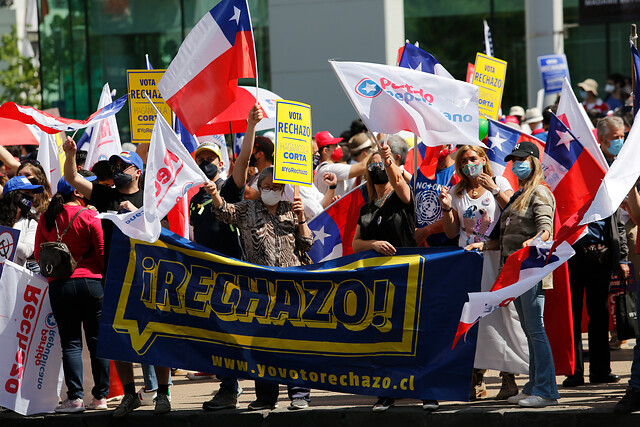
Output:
(428, 207)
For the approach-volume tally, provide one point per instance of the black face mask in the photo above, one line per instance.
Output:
(120, 179)
(316, 160)
(252, 161)
(378, 175)
(209, 169)
(24, 203)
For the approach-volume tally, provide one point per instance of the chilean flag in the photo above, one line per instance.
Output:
(427, 159)
(417, 59)
(500, 142)
(51, 124)
(201, 81)
(333, 229)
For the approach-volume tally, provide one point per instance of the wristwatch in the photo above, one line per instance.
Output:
(495, 191)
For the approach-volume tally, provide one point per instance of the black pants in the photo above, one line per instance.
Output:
(268, 392)
(592, 276)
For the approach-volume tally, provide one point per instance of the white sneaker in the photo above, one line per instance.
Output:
(147, 398)
(517, 398)
(70, 406)
(537, 402)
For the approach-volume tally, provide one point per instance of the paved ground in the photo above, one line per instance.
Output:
(582, 406)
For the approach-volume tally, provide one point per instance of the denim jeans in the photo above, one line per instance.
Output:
(150, 378)
(542, 374)
(634, 381)
(77, 304)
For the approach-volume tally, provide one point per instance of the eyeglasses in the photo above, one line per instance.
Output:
(273, 188)
(374, 165)
(120, 166)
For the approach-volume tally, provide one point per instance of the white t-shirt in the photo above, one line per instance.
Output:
(342, 173)
(478, 216)
(311, 198)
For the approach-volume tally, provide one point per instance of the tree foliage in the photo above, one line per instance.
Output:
(19, 79)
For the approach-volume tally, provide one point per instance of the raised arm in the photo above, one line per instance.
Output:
(242, 162)
(394, 173)
(8, 160)
(71, 170)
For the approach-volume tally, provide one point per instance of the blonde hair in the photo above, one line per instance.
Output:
(464, 179)
(535, 178)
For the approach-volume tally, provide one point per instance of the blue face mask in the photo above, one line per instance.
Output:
(583, 94)
(521, 169)
(615, 146)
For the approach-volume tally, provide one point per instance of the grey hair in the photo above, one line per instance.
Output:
(399, 147)
(266, 173)
(607, 123)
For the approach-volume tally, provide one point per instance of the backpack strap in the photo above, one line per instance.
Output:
(60, 236)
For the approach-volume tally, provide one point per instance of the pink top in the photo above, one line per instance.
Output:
(84, 239)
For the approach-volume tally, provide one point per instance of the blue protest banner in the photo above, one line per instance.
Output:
(553, 70)
(8, 243)
(362, 324)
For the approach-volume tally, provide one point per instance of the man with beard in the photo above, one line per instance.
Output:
(261, 158)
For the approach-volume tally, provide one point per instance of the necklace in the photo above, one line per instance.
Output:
(474, 193)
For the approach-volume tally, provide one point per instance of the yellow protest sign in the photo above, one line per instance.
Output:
(142, 116)
(293, 157)
(489, 77)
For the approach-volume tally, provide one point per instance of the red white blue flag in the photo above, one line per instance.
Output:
(333, 229)
(500, 142)
(201, 81)
(417, 59)
(52, 124)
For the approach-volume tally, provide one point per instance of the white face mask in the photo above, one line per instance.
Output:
(271, 198)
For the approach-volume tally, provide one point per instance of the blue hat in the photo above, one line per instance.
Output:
(20, 182)
(65, 188)
(130, 157)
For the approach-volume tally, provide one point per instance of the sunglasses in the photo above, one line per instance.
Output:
(374, 165)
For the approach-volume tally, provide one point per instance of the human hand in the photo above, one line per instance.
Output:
(624, 271)
(330, 178)
(486, 181)
(445, 198)
(69, 146)
(477, 245)
(210, 188)
(298, 208)
(335, 199)
(383, 247)
(126, 206)
(256, 114)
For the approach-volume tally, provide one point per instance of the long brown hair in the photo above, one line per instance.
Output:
(371, 188)
(529, 185)
(464, 179)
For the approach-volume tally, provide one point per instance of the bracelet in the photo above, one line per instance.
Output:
(302, 222)
(387, 165)
(333, 187)
(446, 210)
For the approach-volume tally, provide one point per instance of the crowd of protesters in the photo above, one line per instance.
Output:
(250, 217)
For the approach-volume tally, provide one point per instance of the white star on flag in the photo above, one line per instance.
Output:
(321, 235)
(565, 139)
(496, 141)
(236, 15)
(368, 87)
(418, 68)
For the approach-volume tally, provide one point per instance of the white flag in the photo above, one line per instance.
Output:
(391, 99)
(49, 158)
(30, 355)
(171, 171)
(105, 138)
(573, 114)
(619, 180)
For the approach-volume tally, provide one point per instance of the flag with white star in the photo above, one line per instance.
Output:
(501, 139)
(417, 59)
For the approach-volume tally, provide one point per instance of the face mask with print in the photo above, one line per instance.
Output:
(472, 170)
(270, 197)
(24, 203)
(521, 169)
(615, 146)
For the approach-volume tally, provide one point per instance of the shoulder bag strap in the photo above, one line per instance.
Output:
(60, 236)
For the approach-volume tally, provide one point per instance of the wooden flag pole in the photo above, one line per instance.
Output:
(415, 162)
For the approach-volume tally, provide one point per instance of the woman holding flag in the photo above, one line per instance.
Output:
(472, 211)
(527, 218)
(387, 222)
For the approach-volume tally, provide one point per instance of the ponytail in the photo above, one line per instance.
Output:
(56, 205)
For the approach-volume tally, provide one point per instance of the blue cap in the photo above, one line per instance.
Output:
(65, 188)
(130, 157)
(20, 182)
